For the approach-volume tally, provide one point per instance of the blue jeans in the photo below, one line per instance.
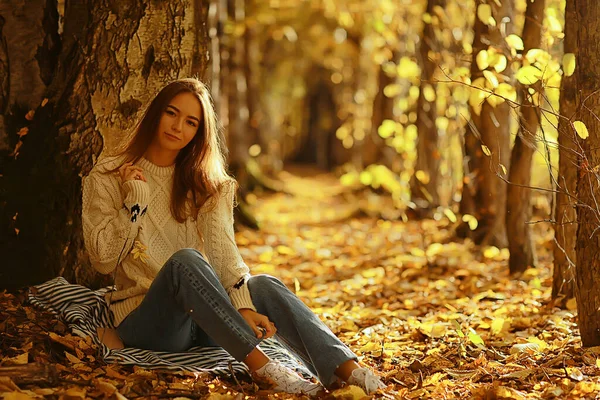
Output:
(187, 306)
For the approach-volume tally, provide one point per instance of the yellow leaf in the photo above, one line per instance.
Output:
(471, 221)
(569, 64)
(370, 346)
(486, 150)
(482, 60)
(581, 129)
(349, 393)
(266, 256)
(72, 358)
(387, 128)
(524, 347)
(491, 252)
(19, 360)
(575, 373)
(572, 304)
(494, 100)
(515, 42)
(285, 250)
(497, 325)
(501, 64)
(491, 78)
(429, 93)
(450, 215)
(542, 345)
(539, 56)
(503, 169)
(475, 338)
(507, 91)
(436, 330)
(585, 387)
(422, 176)
(484, 13)
(528, 75)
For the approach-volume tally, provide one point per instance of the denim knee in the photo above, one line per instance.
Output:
(187, 256)
(191, 260)
(265, 283)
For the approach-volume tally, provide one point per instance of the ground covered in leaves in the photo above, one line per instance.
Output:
(436, 317)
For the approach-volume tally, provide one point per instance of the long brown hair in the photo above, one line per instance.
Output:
(200, 168)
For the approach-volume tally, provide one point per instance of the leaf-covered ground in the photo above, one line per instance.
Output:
(436, 318)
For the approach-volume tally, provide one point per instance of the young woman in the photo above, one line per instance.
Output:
(160, 216)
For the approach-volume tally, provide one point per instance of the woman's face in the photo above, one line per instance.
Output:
(178, 123)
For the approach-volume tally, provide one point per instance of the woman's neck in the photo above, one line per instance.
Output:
(160, 157)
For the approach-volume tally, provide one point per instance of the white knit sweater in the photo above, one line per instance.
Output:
(133, 221)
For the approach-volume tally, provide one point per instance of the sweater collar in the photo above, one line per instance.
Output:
(155, 169)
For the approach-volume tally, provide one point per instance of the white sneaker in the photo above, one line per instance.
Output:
(282, 379)
(366, 379)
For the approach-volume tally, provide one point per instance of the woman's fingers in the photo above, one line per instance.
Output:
(268, 327)
(129, 172)
(257, 330)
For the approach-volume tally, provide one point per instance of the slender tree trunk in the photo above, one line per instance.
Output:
(115, 55)
(565, 229)
(252, 76)
(239, 141)
(588, 215)
(424, 183)
(490, 128)
(518, 205)
(215, 32)
(224, 55)
(383, 109)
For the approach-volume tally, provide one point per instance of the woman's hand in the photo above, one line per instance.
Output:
(130, 172)
(260, 324)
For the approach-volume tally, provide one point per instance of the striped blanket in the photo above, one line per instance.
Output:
(84, 310)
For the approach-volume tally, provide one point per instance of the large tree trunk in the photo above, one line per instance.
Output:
(115, 56)
(483, 191)
(518, 205)
(424, 183)
(565, 228)
(588, 235)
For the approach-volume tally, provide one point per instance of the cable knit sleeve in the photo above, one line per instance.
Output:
(216, 227)
(109, 220)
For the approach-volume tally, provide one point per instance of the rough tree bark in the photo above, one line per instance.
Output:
(588, 235)
(565, 228)
(518, 205)
(115, 55)
(29, 46)
(484, 194)
(424, 183)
